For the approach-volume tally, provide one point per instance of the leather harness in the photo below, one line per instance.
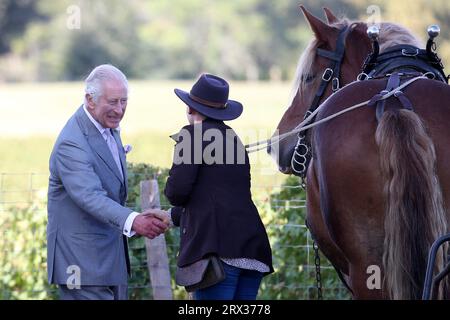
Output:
(397, 62)
(302, 151)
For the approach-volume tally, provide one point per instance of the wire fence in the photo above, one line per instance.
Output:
(23, 219)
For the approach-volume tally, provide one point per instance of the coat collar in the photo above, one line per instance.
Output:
(98, 143)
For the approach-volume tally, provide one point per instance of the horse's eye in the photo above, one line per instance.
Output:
(307, 78)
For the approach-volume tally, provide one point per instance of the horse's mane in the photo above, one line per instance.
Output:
(391, 34)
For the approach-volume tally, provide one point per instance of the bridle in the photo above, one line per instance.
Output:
(330, 74)
(302, 152)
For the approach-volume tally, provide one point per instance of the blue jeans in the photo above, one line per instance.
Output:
(239, 284)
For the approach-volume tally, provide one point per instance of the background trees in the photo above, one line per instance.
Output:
(157, 39)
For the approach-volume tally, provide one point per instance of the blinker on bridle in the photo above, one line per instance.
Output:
(336, 57)
(419, 59)
(302, 151)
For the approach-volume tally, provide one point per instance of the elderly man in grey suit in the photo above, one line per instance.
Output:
(88, 223)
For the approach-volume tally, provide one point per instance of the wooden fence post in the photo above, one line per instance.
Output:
(157, 260)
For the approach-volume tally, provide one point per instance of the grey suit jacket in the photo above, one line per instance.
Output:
(86, 212)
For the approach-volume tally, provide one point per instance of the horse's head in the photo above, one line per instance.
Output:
(311, 69)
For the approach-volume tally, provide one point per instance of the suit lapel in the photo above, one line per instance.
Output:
(97, 142)
(123, 160)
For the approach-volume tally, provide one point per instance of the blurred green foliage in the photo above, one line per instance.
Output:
(23, 253)
(45, 40)
(139, 284)
(63, 40)
(293, 255)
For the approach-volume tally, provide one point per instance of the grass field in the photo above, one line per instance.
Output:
(33, 114)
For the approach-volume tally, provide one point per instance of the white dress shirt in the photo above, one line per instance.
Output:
(129, 222)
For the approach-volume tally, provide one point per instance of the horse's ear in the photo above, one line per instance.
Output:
(320, 28)
(331, 18)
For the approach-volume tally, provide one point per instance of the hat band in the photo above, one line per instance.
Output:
(211, 104)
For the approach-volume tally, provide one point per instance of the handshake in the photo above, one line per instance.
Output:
(152, 222)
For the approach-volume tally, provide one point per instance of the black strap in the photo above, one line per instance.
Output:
(406, 103)
(300, 158)
(393, 82)
(332, 55)
(333, 70)
(340, 50)
(405, 57)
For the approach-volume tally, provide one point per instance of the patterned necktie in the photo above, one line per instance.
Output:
(114, 150)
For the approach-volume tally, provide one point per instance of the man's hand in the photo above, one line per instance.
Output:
(149, 225)
(160, 214)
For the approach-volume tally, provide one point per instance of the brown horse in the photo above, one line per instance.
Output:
(378, 193)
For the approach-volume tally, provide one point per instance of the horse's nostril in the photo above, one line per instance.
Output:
(269, 149)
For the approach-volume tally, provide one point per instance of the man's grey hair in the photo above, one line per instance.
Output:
(105, 72)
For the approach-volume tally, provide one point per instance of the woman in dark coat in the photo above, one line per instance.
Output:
(209, 185)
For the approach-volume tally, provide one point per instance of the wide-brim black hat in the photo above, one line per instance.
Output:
(209, 96)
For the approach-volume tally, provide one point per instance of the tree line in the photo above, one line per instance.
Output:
(45, 40)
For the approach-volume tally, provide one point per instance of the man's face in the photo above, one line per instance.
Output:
(110, 107)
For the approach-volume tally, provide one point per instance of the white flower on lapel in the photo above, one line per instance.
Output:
(127, 148)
